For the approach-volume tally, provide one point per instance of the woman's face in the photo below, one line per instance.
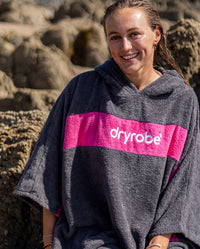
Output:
(131, 40)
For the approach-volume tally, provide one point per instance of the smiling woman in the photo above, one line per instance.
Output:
(133, 30)
(117, 163)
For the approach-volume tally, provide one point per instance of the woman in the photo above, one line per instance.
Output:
(116, 163)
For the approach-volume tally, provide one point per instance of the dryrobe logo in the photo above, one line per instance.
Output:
(125, 137)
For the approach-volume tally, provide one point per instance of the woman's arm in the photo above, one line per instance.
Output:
(162, 240)
(49, 221)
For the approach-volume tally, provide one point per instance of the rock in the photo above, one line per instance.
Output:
(166, 24)
(172, 14)
(17, 12)
(57, 36)
(40, 67)
(20, 224)
(6, 49)
(84, 8)
(184, 42)
(7, 88)
(17, 33)
(63, 33)
(175, 10)
(30, 99)
(16, 99)
(90, 47)
(81, 40)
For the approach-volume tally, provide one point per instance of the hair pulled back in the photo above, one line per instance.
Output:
(162, 55)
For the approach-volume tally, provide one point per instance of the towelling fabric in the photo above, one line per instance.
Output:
(117, 165)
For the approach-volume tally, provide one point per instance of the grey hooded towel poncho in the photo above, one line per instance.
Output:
(117, 165)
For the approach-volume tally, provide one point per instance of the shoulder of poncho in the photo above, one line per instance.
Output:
(81, 78)
(180, 87)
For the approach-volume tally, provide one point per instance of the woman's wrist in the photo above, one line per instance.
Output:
(47, 235)
(154, 245)
(47, 241)
(48, 245)
(159, 242)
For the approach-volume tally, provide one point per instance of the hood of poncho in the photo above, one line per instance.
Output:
(169, 82)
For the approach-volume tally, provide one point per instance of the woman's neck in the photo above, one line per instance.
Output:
(143, 80)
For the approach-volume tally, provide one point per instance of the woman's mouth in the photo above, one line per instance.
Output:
(129, 57)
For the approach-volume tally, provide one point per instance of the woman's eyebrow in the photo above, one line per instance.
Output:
(115, 32)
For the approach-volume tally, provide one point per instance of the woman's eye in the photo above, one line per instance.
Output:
(134, 34)
(115, 38)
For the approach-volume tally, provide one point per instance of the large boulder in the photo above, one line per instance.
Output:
(18, 99)
(7, 88)
(41, 67)
(11, 36)
(76, 8)
(184, 42)
(81, 39)
(30, 99)
(58, 36)
(173, 11)
(63, 33)
(90, 47)
(6, 49)
(18, 12)
(20, 224)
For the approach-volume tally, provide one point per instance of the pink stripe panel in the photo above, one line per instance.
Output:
(106, 130)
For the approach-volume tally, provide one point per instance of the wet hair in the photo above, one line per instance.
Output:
(162, 55)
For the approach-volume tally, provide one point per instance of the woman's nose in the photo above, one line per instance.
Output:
(126, 44)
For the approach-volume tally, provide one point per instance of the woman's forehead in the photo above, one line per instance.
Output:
(127, 18)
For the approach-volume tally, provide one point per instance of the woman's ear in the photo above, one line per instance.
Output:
(157, 32)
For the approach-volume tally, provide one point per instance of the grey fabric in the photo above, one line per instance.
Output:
(112, 198)
(183, 243)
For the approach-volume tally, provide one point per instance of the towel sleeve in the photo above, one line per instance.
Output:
(178, 209)
(40, 183)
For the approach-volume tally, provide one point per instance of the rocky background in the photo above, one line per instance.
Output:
(43, 44)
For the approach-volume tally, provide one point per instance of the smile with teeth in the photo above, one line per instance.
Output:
(128, 57)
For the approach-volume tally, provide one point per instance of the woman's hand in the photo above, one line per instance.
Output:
(162, 240)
